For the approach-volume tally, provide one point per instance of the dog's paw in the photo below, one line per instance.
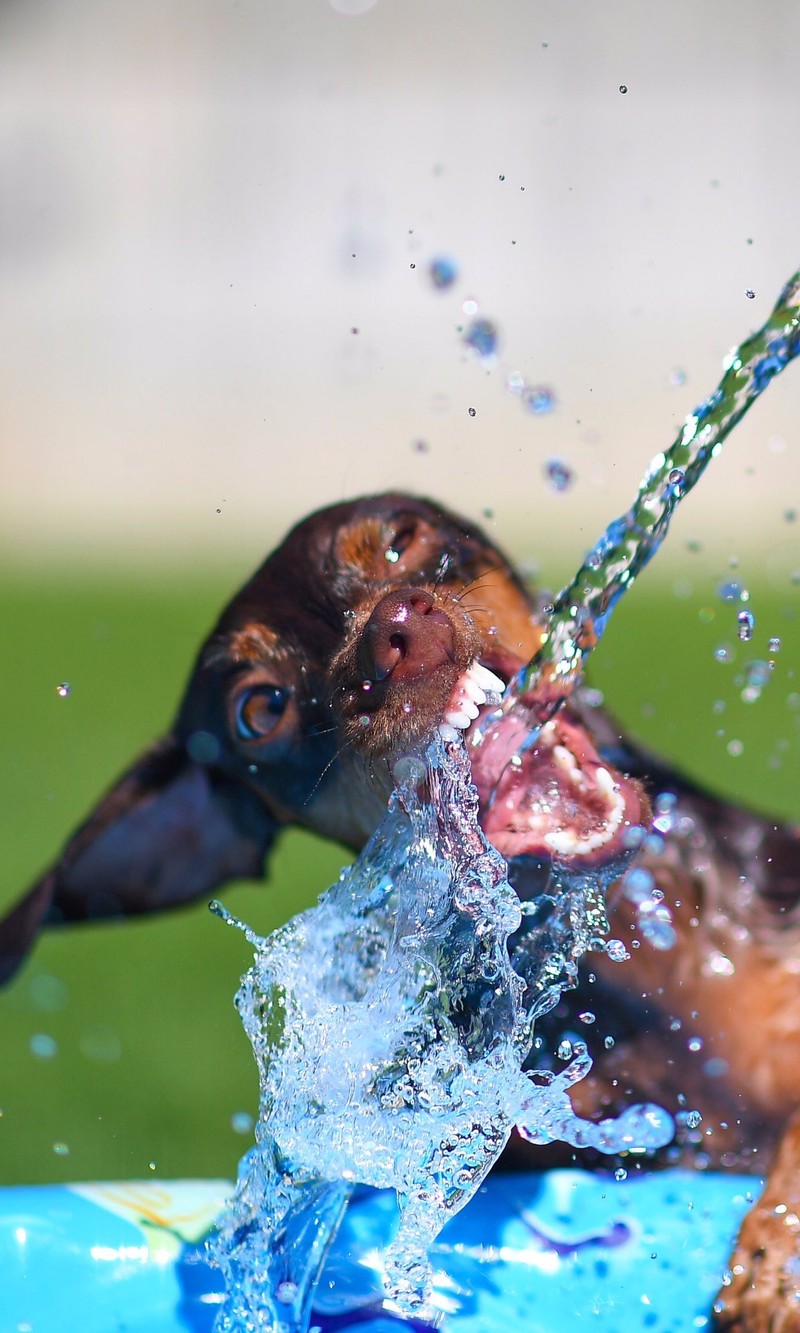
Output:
(761, 1293)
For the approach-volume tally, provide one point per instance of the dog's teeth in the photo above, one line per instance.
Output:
(468, 707)
(486, 679)
(467, 689)
(565, 760)
(475, 693)
(565, 843)
(457, 719)
(609, 788)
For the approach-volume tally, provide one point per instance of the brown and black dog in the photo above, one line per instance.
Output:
(348, 646)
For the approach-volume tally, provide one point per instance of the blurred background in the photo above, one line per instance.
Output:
(217, 222)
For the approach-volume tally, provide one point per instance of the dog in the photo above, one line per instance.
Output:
(374, 622)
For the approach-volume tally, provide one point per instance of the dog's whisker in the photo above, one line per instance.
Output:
(342, 749)
(499, 568)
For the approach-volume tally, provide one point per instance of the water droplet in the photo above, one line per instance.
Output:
(472, 411)
(559, 474)
(203, 747)
(623, 87)
(501, 178)
(677, 378)
(616, 951)
(63, 690)
(564, 1049)
(746, 624)
(692, 1119)
(587, 1017)
(421, 447)
(43, 1046)
(609, 1043)
(48, 993)
(723, 653)
(733, 591)
(515, 383)
(481, 336)
(757, 675)
(539, 400)
(695, 1044)
(638, 885)
(735, 748)
(242, 1122)
(676, 478)
(620, 1173)
(470, 306)
(633, 837)
(443, 272)
(750, 294)
(774, 645)
(718, 965)
(716, 1067)
(658, 930)
(391, 555)
(61, 1149)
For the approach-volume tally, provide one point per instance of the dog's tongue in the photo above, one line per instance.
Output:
(556, 800)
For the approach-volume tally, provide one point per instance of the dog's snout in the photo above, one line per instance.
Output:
(406, 637)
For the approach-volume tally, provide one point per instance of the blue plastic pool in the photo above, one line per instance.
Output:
(541, 1253)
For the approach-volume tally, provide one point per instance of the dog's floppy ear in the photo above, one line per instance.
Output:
(171, 830)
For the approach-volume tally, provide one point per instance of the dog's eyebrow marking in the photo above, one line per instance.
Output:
(359, 544)
(251, 643)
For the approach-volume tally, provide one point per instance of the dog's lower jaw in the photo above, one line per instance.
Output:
(554, 799)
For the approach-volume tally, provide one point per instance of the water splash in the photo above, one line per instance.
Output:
(390, 1026)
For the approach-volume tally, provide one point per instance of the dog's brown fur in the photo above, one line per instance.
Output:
(342, 650)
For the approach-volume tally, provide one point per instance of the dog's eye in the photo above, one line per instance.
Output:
(400, 542)
(258, 710)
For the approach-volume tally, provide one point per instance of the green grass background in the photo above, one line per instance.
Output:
(150, 1063)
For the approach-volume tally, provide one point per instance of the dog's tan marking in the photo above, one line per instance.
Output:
(252, 643)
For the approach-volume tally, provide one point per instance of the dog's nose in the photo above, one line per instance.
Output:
(406, 637)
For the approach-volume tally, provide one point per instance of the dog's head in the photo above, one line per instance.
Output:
(352, 642)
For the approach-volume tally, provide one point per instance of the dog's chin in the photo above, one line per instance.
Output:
(555, 800)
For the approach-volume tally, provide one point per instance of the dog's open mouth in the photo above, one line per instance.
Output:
(555, 799)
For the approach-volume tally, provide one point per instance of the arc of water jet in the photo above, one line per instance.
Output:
(581, 612)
